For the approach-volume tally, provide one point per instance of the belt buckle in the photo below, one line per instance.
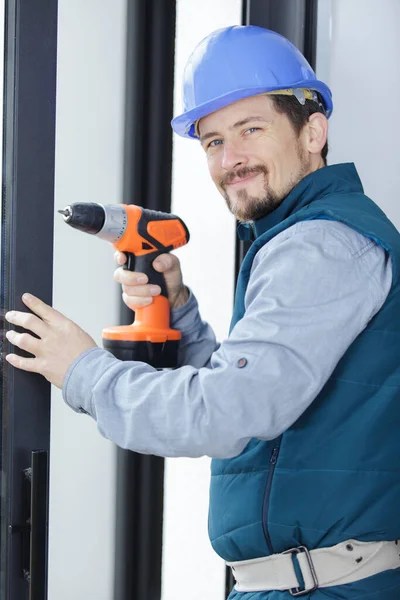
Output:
(297, 591)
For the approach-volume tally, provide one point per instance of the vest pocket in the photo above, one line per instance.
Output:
(272, 464)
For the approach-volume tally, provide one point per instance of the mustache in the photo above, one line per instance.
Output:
(242, 173)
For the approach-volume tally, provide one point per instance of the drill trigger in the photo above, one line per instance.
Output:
(130, 261)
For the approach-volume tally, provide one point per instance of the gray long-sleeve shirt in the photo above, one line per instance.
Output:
(313, 288)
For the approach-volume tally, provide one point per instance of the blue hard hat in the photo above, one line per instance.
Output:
(241, 61)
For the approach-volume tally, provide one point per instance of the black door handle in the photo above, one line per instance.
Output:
(39, 526)
(34, 526)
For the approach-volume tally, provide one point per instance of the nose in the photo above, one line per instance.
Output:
(233, 157)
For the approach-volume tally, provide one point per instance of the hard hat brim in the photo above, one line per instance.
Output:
(184, 124)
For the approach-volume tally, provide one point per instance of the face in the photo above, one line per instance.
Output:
(254, 156)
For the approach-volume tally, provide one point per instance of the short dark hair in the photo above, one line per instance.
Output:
(298, 114)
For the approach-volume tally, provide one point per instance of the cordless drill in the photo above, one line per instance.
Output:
(142, 235)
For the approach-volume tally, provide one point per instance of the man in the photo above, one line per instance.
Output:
(299, 407)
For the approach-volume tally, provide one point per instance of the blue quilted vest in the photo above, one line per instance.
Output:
(335, 474)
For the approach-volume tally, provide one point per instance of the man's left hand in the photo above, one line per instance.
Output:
(60, 341)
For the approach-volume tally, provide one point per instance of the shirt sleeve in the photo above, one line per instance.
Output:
(311, 292)
(198, 339)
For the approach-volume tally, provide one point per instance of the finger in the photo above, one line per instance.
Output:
(163, 262)
(24, 341)
(26, 364)
(40, 308)
(120, 258)
(142, 291)
(135, 302)
(27, 321)
(130, 277)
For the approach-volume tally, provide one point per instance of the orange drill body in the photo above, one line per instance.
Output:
(148, 234)
(144, 226)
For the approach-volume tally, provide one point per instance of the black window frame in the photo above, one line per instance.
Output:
(30, 58)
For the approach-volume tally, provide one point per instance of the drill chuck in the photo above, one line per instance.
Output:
(107, 222)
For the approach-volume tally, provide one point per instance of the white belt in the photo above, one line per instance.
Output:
(344, 563)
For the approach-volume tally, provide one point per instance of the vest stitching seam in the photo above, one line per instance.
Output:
(372, 330)
(240, 472)
(331, 470)
(377, 385)
(352, 535)
(236, 529)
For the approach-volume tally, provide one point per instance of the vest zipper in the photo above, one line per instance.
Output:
(272, 464)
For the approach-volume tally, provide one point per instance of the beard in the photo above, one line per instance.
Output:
(251, 208)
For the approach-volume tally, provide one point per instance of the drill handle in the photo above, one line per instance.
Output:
(144, 264)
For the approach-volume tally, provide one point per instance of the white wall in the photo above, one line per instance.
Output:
(91, 63)
(360, 62)
(208, 267)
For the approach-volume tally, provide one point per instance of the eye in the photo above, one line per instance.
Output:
(214, 143)
(252, 129)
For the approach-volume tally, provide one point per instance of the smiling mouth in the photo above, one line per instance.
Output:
(243, 180)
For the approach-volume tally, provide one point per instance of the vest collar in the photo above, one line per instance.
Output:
(341, 178)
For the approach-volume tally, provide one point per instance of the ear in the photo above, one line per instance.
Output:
(317, 132)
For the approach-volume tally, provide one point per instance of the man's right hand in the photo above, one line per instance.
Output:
(137, 293)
